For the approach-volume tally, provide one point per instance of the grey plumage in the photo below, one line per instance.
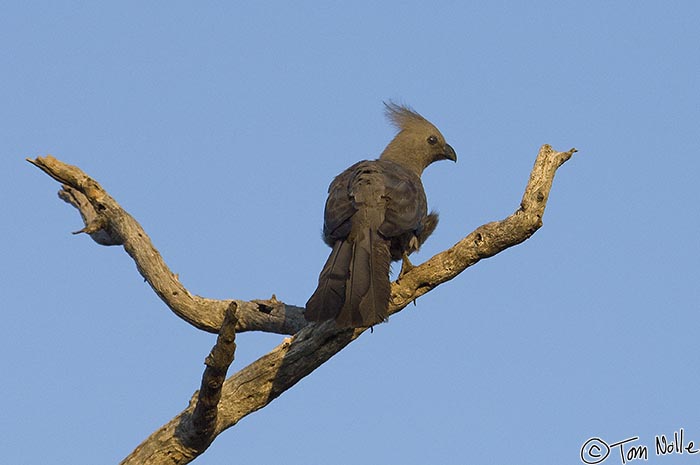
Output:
(376, 212)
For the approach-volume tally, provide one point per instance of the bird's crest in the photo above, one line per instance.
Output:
(403, 117)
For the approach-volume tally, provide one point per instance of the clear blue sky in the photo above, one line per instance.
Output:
(219, 125)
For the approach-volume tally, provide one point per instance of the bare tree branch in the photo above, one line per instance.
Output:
(489, 239)
(251, 389)
(258, 384)
(198, 432)
(109, 224)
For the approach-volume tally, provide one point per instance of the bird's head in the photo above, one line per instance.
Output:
(418, 143)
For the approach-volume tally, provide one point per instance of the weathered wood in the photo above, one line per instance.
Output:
(198, 432)
(489, 239)
(258, 384)
(109, 224)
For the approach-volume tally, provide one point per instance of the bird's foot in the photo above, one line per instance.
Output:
(406, 266)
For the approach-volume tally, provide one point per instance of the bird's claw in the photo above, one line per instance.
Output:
(406, 266)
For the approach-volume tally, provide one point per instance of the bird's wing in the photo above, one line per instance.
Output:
(406, 205)
(340, 205)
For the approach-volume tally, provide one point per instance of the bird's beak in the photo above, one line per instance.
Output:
(450, 153)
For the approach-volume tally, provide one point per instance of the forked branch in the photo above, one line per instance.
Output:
(109, 224)
(256, 385)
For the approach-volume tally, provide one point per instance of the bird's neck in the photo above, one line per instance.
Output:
(397, 154)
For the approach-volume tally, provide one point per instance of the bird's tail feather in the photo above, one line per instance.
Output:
(327, 300)
(368, 290)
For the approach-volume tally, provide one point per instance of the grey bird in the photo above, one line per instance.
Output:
(376, 212)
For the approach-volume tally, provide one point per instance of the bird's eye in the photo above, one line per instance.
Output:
(432, 140)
